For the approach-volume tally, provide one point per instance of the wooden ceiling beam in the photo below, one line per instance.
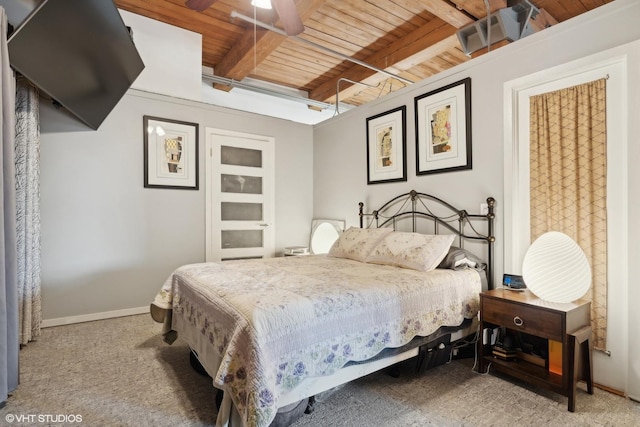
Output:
(401, 69)
(449, 42)
(543, 20)
(388, 59)
(248, 52)
(478, 8)
(403, 54)
(448, 13)
(412, 49)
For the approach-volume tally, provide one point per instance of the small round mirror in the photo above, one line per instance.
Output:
(323, 234)
(556, 269)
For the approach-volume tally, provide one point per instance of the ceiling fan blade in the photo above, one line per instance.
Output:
(199, 5)
(289, 16)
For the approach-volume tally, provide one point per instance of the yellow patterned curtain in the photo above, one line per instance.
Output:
(568, 169)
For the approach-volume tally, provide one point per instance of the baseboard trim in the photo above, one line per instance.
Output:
(48, 323)
(609, 389)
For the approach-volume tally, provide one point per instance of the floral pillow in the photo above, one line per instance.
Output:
(357, 243)
(422, 252)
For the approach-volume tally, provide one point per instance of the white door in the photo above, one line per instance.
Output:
(239, 195)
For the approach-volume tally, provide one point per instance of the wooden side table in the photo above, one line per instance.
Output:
(568, 324)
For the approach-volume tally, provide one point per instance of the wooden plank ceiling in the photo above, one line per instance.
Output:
(413, 39)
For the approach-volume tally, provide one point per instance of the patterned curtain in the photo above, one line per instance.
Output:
(568, 178)
(27, 146)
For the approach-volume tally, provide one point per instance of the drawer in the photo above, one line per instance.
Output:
(524, 318)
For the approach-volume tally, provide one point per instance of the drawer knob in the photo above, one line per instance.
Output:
(518, 321)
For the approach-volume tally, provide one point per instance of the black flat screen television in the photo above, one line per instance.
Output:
(80, 53)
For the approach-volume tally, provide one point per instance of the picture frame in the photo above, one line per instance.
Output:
(170, 153)
(443, 129)
(387, 146)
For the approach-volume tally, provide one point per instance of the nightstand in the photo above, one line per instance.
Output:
(296, 251)
(565, 326)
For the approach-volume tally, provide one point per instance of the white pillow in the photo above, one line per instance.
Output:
(422, 252)
(357, 243)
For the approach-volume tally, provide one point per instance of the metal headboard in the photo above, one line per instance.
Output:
(414, 205)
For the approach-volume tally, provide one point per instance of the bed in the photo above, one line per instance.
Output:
(272, 333)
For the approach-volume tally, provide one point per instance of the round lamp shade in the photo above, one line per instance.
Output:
(556, 269)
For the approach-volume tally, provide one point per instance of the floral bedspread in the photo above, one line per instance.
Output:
(277, 321)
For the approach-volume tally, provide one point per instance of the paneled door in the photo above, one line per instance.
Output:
(239, 195)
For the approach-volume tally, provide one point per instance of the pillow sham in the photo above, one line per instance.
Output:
(357, 243)
(422, 252)
(458, 258)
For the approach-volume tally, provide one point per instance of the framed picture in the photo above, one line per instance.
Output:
(170, 154)
(443, 129)
(386, 147)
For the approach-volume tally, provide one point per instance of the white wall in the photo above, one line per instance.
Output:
(633, 214)
(340, 164)
(170, 54)
(108, 244)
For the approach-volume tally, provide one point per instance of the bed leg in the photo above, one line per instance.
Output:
(393, 371)
(195, 363)
(422, 355)
(311, 405)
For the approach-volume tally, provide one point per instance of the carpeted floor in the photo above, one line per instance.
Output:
(119, 372)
